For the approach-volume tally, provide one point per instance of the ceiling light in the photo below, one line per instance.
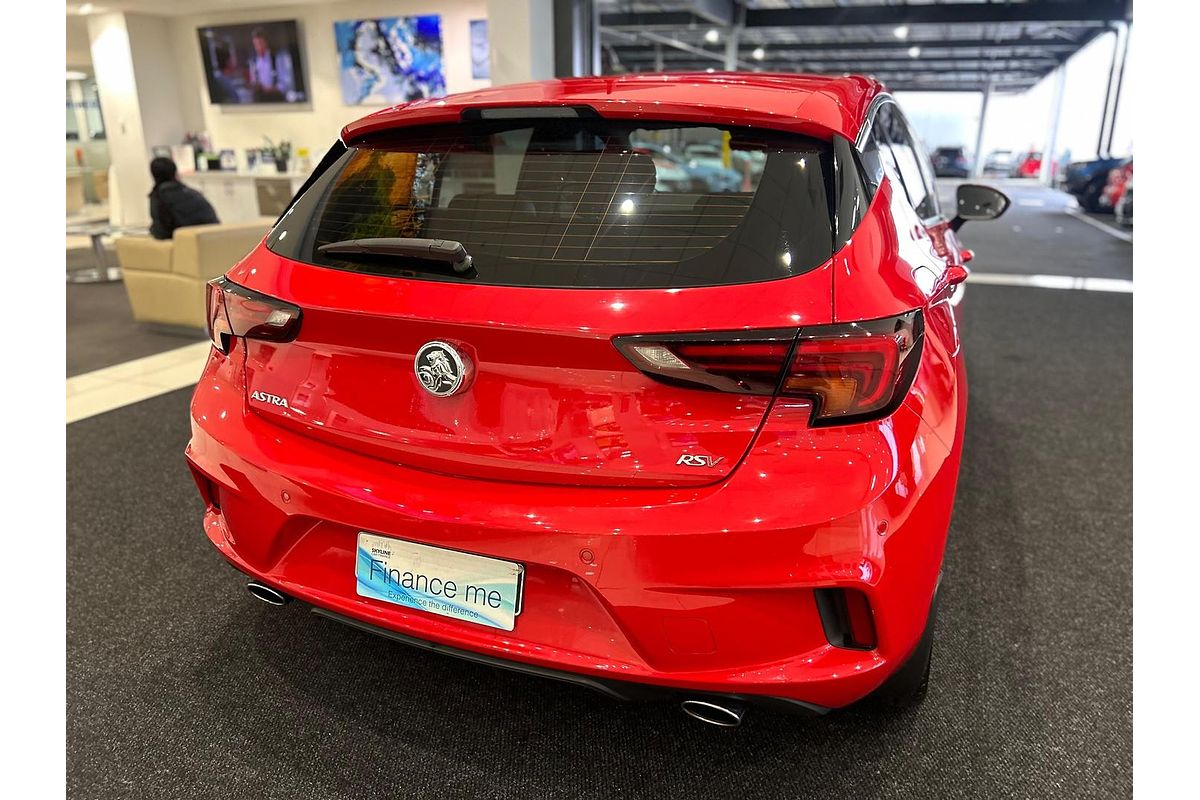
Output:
(914, 51)
(86, 8)
(75, 75)
(759, 54)
(713, 36)
(901, 31)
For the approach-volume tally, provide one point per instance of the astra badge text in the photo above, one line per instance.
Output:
(273, 399)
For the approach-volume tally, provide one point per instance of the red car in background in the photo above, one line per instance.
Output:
(1028, 166)
(485, 389)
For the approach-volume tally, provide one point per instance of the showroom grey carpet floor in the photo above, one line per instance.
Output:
(101, 330)
(182, 686)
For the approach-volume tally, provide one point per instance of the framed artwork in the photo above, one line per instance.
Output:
(480, 53)
(390, 60)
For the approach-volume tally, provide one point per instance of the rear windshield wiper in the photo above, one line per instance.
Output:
(446, 251)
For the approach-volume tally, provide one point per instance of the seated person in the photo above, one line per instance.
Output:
(173, 205)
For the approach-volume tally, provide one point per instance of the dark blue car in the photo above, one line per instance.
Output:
(1086, 180)
(951, 162)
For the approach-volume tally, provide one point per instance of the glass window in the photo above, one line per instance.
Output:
(877, 153)
(577, 203)
(932, 206)
(91, 109)
(72, 120)
(908, 154)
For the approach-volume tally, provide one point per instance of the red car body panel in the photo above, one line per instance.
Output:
(1030, 166)
(524, 419)
(700, 583)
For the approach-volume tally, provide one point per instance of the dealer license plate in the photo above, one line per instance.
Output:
(479, 589)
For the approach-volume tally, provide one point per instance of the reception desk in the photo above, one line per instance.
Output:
(242, 197)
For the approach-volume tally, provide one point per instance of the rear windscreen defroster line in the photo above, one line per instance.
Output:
(575, 203)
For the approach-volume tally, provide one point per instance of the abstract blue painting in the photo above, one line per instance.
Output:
(390, 60)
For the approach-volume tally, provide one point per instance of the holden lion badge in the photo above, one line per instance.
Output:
(441, 369)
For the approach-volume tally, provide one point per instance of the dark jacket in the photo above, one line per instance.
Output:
(173, 205)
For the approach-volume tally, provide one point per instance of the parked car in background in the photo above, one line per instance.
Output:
(1114, 187)
(707, 160)
(998, 161)
(1028, 166)
(702, 175)
(670, 175)
(1124, 207)
(538, 413)
(710, 156)
(749, 163)
(1085, 180)
(951, 162)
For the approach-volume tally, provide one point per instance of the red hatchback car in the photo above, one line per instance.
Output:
(490, 388)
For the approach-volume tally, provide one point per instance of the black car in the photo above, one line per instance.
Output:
(951, 162)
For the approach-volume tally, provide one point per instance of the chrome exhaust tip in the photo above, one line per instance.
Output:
(722, 713)
(268, 595)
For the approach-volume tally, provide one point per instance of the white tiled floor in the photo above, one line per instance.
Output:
(112, 387)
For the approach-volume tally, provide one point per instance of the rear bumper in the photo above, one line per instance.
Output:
(703, 590)
(625, 691)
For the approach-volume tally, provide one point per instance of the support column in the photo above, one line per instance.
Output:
(576, 38)
(732, 35)
(522, 35)
(977, 166)
(593, 13)
(1048, 154)
(1112, 69)
(1112, 123)
(135, 77)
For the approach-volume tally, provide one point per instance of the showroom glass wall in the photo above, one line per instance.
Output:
(86, 139)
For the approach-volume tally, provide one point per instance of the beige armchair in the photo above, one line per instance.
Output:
(165, 279)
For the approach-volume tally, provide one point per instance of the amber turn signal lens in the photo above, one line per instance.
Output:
(837, 394)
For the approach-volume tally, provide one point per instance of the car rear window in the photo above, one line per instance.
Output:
(575, 203)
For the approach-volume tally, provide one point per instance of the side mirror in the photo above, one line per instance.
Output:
(976, 201)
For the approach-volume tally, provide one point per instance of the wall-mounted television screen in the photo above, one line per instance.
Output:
(257, 62)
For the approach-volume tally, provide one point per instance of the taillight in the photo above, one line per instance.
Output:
(851, 372)
(747, 363)
(856, 371)
(234, 310)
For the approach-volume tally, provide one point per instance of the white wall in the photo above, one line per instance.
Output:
(527, 30)
(79, 47)
(943, 119)
(314, 124)
(156, 67)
